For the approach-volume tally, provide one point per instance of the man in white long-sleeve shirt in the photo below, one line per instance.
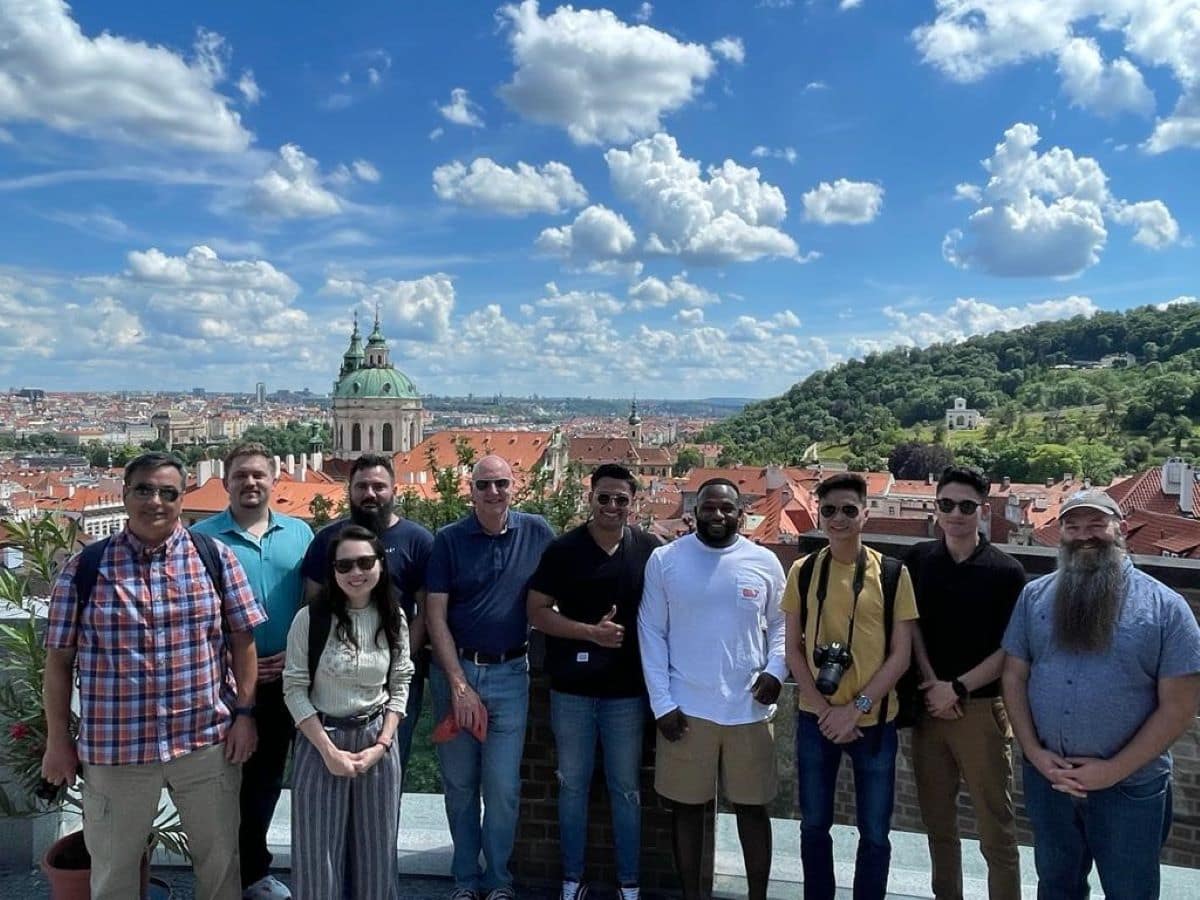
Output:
(712, 644)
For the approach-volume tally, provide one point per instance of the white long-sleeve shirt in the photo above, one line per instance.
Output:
(709, 624)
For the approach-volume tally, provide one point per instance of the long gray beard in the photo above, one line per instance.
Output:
(1088, 595)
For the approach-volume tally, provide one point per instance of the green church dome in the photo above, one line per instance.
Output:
(375, 383)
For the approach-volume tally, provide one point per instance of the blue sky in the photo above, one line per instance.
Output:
(674, 200)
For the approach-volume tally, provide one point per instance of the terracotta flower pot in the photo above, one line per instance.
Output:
(68, 867)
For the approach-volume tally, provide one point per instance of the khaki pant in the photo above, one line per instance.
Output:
(686, 770)
(976, 749)
(119, 807)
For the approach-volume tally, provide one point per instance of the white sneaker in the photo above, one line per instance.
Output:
(573, 890)
(268, 888)
(628, 893)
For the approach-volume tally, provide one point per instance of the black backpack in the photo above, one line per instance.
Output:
(320, 620)
(90, 557)
(906, 714)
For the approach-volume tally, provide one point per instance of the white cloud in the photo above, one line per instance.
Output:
(730, 48)
(816, 86)
(598, 235)
(967, 191)
(511, 192)
(417, 310)
(202, 269)
(644, 12)
(436, 133)
(970, 38)
(967, 317)
(728, 216)
(110, 86)
(1178, 301)
(1045, 215)
(293, 188)
(654, 292)
(600, 79)
(843, 202)
(461, 110)
(365, 171)
(249, 88)
(849, 4)
(788, 154)
(585, 303)
(690, 316)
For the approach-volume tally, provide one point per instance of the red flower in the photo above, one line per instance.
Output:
(18, 731)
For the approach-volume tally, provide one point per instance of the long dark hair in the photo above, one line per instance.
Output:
(383, 595)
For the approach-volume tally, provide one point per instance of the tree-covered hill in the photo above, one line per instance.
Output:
(1024, 381)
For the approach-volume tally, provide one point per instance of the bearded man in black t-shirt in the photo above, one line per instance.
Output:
(584, 597)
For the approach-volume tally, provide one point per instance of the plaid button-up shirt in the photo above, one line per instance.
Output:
(150, 648)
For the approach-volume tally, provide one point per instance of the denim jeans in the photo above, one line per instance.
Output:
(1122, 828)
(618, 722)
(488, 771)
(412, 714)
(873, 757)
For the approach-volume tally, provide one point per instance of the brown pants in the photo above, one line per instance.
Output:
(976, 749)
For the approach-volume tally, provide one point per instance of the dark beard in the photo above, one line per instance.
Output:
(375, 520)
(1088, 595)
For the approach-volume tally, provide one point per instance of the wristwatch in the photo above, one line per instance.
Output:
(863, 704)
(243, 711)
(960, 689)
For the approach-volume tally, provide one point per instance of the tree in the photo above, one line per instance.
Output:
(686, 460)
(914, 460)
(1052, 461)
(561, 508)
(323, 511)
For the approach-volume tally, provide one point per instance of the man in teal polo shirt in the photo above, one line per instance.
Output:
(270, 546)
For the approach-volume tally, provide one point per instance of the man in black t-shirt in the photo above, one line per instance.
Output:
(584, 597)
(966, 589)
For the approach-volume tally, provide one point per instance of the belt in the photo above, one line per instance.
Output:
(480, 658)
(351, 721)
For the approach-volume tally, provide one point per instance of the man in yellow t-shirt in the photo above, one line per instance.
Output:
(844, 669)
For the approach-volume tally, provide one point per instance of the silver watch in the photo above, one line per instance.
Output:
(863, 704)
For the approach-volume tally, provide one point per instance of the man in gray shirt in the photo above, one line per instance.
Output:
(1102, 676)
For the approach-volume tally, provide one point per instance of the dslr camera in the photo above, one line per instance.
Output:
(832, 661)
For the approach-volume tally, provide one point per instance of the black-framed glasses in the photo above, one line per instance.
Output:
(500, 484)
(849, 510)
(618, 500)
(966, 507)
(347, 564)
(150, 491)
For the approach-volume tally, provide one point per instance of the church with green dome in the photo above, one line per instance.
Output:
(376, 407)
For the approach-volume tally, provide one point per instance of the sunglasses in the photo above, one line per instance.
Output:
(346, 565)
(849, 510)
(500, 484)
(618, 500)
(149, 491)
(966, 507)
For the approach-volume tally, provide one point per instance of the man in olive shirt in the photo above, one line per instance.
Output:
(966, 589)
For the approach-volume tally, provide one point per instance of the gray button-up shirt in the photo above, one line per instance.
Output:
(1092, 704)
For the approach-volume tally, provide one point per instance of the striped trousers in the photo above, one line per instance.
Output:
(344, 829)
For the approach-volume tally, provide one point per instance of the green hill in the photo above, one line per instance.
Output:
(1047, 411)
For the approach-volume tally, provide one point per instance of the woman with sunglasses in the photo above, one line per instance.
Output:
(346, 776)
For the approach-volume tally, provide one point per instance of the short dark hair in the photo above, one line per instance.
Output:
(843, 481)
(968, 475)
(372, 461)
(617, 473)
(246, 448)
(154, 460)
(718, 482)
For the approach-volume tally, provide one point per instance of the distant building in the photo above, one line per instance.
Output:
(960, 417)
(645, 461)
(260, 394)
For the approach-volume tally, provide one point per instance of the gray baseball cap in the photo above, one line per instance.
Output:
(1091, 500)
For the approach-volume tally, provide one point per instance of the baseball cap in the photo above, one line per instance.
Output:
(1091, 500)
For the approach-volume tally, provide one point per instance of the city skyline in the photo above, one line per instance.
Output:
(691, 201)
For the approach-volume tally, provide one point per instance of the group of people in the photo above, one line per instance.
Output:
(204, 655)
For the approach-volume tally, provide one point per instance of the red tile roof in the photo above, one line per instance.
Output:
(1144, 491)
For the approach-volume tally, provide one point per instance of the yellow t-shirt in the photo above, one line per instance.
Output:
(866, 651)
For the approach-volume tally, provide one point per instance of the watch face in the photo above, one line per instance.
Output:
(862, 704)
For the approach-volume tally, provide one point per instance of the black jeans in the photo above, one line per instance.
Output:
(262, 779)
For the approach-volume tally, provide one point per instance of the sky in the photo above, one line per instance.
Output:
(677, 200)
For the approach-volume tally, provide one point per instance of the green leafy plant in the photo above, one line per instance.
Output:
(45, 544)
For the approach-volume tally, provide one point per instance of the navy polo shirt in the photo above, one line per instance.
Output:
(486, 577)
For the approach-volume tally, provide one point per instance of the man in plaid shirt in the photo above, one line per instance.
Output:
(158, 703)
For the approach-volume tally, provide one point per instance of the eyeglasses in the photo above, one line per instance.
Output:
(149, 492)
(618, 500)
(849, 510)
(364, 563)
(966, 507)
(500, 484)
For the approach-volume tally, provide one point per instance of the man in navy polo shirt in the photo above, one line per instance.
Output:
(478, 574)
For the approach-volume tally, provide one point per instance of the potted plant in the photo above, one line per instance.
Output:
(44, 545)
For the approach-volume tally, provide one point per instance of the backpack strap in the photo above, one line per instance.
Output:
(210, 555)
(803, 581)
(87, 569)
(890, 578)
(320, 620)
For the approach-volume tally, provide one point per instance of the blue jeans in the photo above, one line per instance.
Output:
(412, 714)
(1122, 828)
(873, 757)
(488, 771)
(618, 722)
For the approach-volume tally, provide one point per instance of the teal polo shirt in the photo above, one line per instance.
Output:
(272, 566)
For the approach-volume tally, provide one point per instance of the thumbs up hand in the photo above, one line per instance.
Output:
(608, 633)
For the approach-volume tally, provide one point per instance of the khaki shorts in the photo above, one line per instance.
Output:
(686, 770)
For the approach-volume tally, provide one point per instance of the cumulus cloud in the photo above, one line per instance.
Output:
(461, 110)
(292, 188)
(112, 87)
(417, 310)
(653, 292)
(967, 317)
(1182, 300)
(967, 191)
(359, 170)
(726, 214)
(970, 38)
(600, 79)
(249, 88)
(730, 48)
(1045, 214)
(785, 153)
(512, 192)
(598, 237)
(843, 202)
